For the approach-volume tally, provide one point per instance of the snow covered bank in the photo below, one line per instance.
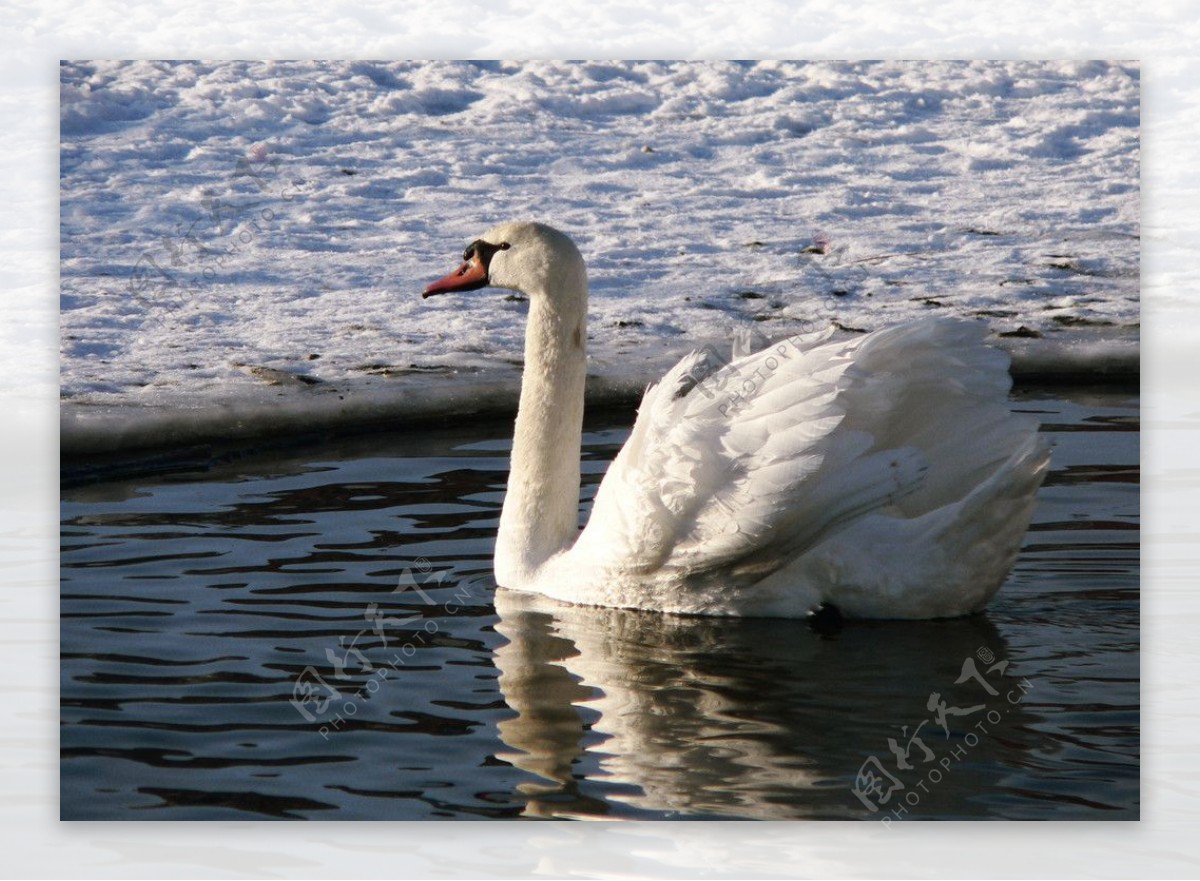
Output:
(284, 406)
(243, 244)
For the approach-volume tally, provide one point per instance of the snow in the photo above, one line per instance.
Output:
(243, 244)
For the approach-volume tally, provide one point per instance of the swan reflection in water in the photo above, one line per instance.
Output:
(707, 717)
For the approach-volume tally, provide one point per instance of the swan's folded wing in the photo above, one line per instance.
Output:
(718, 470)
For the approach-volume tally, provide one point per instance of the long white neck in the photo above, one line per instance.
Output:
(541, 508)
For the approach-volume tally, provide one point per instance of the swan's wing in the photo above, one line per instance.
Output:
(718, 472)
(733, 470)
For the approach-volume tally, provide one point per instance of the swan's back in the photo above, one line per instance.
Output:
(884, 473)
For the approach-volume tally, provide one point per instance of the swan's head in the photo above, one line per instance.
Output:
(532, 258)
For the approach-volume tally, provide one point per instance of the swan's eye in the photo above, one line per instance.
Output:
(483, 251)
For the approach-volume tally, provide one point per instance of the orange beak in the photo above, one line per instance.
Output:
(471, 276)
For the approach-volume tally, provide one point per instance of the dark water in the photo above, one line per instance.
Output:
(317, 636)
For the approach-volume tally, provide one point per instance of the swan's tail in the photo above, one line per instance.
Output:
(946, 562)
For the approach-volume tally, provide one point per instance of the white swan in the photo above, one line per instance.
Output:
(883, 475)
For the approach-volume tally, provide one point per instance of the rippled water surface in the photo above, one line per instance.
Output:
(317, 635)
